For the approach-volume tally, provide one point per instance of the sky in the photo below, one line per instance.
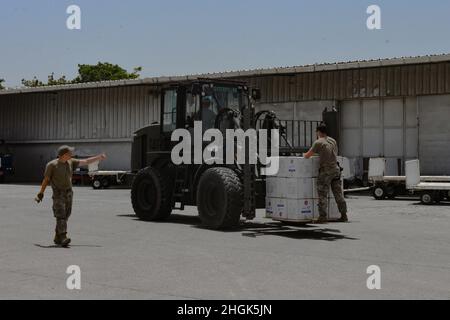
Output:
(178, 37)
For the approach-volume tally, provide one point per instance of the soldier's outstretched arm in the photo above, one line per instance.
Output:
(86, 162)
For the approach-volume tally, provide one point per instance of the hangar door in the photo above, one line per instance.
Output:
(379, 128)
(434, 142)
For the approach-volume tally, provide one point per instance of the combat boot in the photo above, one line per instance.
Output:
(344, 218)
(322, 220)
(64, 241)
(57, 239)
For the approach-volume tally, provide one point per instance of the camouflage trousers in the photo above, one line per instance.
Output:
(62, 209)
(330, 178)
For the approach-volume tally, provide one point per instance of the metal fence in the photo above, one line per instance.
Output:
(298, 135)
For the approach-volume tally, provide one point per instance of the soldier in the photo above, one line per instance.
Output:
(329, 174)
(58, 174)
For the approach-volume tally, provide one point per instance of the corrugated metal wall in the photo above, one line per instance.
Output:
(379, 128)
(91, 114)
(434, 141)
(388, 81)
(115, 113)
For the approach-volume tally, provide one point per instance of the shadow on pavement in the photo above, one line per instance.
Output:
(256, 229)
(441, 204)
(71, 246)
(299, 234)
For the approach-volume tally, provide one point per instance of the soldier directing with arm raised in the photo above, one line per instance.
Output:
(58, 174)
(329, 174)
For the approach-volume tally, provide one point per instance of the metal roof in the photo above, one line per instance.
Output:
(242, 73)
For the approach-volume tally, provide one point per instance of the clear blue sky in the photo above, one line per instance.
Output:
(172, 37)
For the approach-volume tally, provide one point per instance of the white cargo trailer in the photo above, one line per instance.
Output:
(430, 192)
(392, 186)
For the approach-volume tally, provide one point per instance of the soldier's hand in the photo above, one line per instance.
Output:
(102, 157)
(39, 197)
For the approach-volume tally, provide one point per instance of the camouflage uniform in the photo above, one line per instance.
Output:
(329, 176)
(62, 209)
(60, 175)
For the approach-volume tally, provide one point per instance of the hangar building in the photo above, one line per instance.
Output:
(395, 108)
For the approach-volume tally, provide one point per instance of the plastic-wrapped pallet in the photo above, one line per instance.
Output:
(290, 194)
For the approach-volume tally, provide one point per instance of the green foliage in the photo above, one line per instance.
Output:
(32, 83)
(53, 82)
(1, 86)
(104, 72)
(88, 73)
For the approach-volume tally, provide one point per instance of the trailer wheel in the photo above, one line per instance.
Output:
(105, 183)
(438, 196)
(220, 198)
(427, 198)
(150, 195)
(391, 191)
(379, 193)
(97, 184)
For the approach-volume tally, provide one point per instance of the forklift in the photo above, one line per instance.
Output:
(222, 193)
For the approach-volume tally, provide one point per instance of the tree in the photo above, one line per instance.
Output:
(1, 86)
(53, 82)
(104, 72)
(33, 83)
(88, 73)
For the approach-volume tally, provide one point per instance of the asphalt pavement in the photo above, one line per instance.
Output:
(121, 257)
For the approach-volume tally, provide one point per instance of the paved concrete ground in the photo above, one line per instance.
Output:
(123, 258)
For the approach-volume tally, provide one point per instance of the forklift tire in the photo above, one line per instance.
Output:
(427, 198)
(150, 195)
(220, 198)
(96, 184)
(379, 193)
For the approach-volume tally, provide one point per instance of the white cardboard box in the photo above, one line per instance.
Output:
(269, 208)
(276, 208)
(273, 187)
(289, 188)
(295, 167)
(333, 211)
(301, 210)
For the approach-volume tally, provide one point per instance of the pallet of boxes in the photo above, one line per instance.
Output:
(291, 195)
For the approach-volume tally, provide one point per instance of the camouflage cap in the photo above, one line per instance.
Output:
(65, 149)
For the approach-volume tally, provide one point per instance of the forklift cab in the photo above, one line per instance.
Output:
(183, 104)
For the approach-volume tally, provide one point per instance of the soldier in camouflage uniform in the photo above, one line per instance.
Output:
(329, 174)
(58, 174)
